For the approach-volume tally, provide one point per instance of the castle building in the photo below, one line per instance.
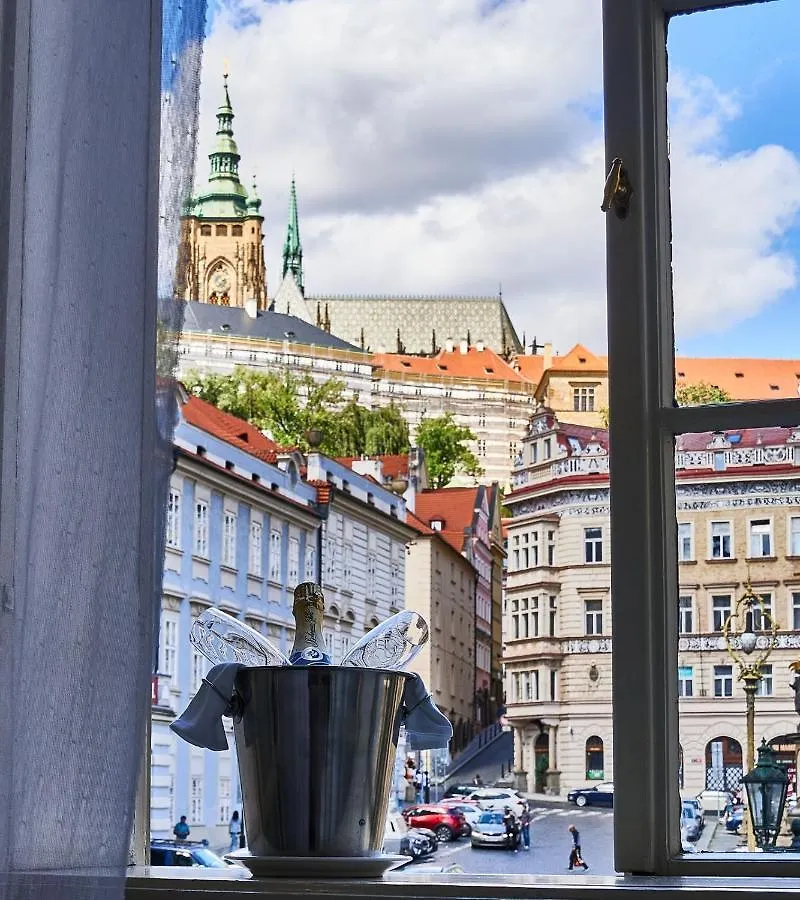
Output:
(221, 258)
(738, 515)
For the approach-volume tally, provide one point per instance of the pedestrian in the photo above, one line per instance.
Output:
(181, 830)
(410, 796)
(512, 829)
(525, 827)
(575, 854)
(235, 829)
(477, 780)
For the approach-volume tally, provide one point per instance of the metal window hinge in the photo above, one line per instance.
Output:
(7, 599)
(618, 190)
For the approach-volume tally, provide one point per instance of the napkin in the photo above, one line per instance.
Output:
(201, 722)
(426, 727)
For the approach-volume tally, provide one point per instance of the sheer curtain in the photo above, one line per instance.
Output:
(87, 416)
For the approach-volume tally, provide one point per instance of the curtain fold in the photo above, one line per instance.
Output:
(87, 418)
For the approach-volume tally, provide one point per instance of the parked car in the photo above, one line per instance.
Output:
(490, 831)
(690, 820)
(446, 824)
(458, 790)
(690, 798)
(715, 802)
(595, 795)
(418, 842)
(733, 817)
(185, 853)
(470, 811)
(491, 799)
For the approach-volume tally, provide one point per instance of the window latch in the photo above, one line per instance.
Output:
(618, 190)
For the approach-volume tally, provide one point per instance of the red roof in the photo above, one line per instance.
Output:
(746, 437)
(474, 364)
(578, 359)
(415, 522)
(454, 507)
(531, 366)
(229, 428)
(743, 379)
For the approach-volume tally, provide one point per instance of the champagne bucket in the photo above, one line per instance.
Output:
(316, 748)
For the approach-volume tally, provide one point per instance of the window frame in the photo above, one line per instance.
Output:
(791, 550)
(642, 466)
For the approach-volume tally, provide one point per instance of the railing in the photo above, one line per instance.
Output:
(734, 457)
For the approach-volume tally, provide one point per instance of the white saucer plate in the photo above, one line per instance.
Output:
(316, 866)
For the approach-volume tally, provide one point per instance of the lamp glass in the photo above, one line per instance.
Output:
(766, 789)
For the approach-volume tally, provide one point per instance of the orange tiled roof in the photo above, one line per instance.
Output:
(455, 507)
(743, 379)
(323, 490)
(415, 522)
(531, 366)
(229, 428)
(580, 359)
(474, 364)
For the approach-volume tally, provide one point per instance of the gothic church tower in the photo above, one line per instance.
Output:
(222, 253)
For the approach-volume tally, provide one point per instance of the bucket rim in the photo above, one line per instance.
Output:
(360, 669)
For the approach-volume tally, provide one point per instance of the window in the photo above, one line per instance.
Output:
(685, 542)
(723, 681)
(685, 688)
(294, 561)
(534, 453)
(524, 621)
(721, 540)
(198, 673)
(553, 684)
(310, 573)
(685, 615)
(796, 610)
(224, 791)
(764, 686)
(174, 520)
(547, 446)
(256, 549)
(794, 534)
(551, 547)
(583, 399)
(481, 447)
(196, 800)
(168, 644)
(593, 545)
(515, 687)
(553, 615)
(720, 610)
(525, 558)
(275, 555)
(347, 567)
(229, 539)
(201, 528)
(594, 616)
(514, 553)
(534, 548)
(372, 565)
(534, 616)
(594, 758)
(762, 614)
(760, 537)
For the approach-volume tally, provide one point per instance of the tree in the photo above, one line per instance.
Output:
(699, 393)
(446, 452)
(287, 407)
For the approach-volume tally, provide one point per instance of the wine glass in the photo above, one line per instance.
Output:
(392, 644)
(223, 639)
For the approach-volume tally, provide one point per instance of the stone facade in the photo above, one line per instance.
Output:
(738, 511)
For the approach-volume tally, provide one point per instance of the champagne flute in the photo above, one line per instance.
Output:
(392, 644)
(223, 639)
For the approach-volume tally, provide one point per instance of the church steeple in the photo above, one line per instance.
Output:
(225, 155)
(292, 248)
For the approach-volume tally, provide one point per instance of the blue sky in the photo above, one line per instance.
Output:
(479, 163)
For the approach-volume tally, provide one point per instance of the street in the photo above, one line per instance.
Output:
(550, 846)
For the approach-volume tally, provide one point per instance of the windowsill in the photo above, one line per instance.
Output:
(687, 562)
(273, 582)
(253, 577)
(231, 570)
(179, 551)
(201, 559)
(721, 559)
(757, 559)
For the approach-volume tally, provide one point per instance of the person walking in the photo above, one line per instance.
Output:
(512, 829)
(235, 829)
(181, 829)
(525, 827)
(575, 854)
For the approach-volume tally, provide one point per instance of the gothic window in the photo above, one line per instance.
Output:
(222, 230)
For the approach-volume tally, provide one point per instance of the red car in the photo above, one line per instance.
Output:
(445, 823)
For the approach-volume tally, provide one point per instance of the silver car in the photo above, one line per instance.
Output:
(489, 831)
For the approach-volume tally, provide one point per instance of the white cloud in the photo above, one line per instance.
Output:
(448, 147)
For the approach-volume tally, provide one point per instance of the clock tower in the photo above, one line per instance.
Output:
(222, 254)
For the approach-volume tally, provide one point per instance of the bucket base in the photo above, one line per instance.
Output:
(317, 866)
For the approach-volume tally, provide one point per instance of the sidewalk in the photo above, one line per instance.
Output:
(547, 799)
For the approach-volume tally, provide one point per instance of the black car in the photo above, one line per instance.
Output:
(418, 842)
(597, 795)
(184, 853)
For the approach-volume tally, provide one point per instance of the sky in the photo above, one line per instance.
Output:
(456, 147)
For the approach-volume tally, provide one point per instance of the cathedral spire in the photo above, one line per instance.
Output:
(225, 155)
(292, 248)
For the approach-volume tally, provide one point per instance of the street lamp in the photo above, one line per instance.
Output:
(741, 640)
(766, 787)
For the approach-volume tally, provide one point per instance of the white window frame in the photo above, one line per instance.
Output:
(200, 529)
(256, 549)
(793, 535)
(169, 645)
(293, 567)
(682, 538)
(795, 600)
(224, 798)
(593, 618)
(717, 622)
(723, 679)
(229, 522)
(174, 507)
(595, 544)
(757, 537)
(724, 552)
(310, 569)
(685, 682)
(766, 684)
(275, 554)
(686, 612)
(642, 466)
(199, 669)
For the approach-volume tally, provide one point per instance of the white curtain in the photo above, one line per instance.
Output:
(86, 423)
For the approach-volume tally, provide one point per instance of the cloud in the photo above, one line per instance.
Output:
(454, 146)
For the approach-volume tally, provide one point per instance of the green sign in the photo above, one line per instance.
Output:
(594, 774)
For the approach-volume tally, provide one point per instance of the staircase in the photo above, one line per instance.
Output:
(489, 754)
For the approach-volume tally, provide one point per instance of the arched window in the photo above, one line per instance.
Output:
(723, 764)
(205, 230)
(595, 768)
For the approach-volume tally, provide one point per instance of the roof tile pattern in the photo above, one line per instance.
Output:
(474, 365)
(230, 429)
(454, 507)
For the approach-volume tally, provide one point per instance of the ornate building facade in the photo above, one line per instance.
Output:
(738, 512)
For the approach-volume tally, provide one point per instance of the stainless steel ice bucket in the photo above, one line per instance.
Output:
(316, 749)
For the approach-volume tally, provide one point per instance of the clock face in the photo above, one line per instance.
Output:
(220, 281)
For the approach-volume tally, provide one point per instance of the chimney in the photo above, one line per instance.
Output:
(547, 353)
(480, 346)
(463, 347)
(251, 307)
(448, 345)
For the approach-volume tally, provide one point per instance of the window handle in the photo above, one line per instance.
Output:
(618, 189)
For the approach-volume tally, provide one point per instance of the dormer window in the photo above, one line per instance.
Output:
(437, 524)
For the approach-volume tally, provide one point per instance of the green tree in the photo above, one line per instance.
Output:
(288, 407)
(701, 392)
(446, 451)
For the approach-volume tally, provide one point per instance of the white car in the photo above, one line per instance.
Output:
(497, 799)
(470, 811)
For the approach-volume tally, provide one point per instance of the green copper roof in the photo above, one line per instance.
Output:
(224, 197)
(292, 248)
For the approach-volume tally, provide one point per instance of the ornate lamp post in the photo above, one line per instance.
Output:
(750, 651)
(766, 787)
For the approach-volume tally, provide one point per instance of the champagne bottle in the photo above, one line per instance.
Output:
(309, 605)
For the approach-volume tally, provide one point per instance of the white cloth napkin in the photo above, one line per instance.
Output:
(201, 722)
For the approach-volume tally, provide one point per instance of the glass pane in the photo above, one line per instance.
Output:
(735, 196)
(738, 624)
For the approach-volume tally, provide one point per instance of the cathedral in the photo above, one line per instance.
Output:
(222, 262)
